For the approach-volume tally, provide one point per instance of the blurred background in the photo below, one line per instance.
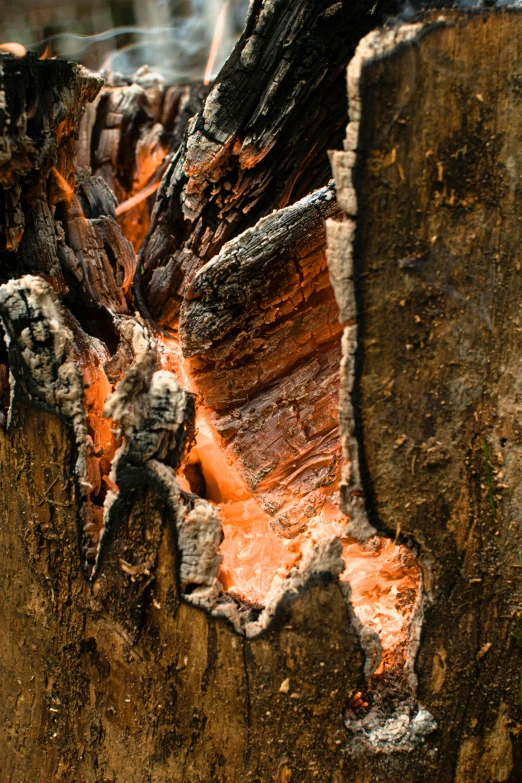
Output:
(171, 36)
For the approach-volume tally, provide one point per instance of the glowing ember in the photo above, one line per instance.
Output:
(133, 201)
(383, 576)
(255, 558)
(47, 52)
(11, 47)
(385, 581)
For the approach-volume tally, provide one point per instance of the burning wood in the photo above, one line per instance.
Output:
(127, 137)
(255, 326)
(258, 343)
(211, 470)
(259, 326)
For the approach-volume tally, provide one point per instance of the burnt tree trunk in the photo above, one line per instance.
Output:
(123, 657)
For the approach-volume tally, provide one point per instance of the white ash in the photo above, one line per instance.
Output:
(128, 406)
(152, 413)
(36, 333)
(199, 535)
(33, 323)
(339, 237)
(351, 489)
(324, 558)
(403, 730)
(149, 410)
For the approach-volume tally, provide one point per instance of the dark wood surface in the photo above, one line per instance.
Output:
(260, 143)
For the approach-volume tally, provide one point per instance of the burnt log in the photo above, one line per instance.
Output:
(122, 562)
(382, 644)
(127, 136)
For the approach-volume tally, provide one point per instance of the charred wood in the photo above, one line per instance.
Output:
(260, 142)
(127, 136)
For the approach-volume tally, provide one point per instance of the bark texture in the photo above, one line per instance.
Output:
(431, 249)
(122, 679)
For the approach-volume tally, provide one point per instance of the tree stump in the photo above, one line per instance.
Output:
(427, 260)
(128, 650)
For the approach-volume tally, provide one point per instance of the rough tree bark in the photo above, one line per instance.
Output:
(429, 259)
(123, 659)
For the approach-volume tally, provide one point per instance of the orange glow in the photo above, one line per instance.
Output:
(385, 581)
(65, 191)
(383, 576)
(255, 558)
(47, 52)
(102, 446)
(11, 47)
(96, 390)
(133, 201)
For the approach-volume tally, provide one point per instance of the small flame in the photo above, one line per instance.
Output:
(65, 191)
(47, 52)
(216, 41)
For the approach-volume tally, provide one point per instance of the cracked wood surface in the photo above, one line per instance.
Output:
(259, 143)
(71, 239)
(260, 325)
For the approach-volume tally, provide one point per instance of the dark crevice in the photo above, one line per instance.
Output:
(98, 322)
(5, 386)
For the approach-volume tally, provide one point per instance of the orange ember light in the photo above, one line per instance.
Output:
(384, 577)
(11, 47)
(47, 52)
(257, 556)
(65, 191)
(144, 193)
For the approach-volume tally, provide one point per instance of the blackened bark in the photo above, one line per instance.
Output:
(259, 144)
